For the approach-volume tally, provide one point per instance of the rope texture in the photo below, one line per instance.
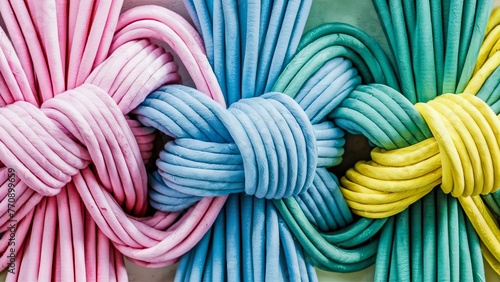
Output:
(80, 161)
(71, 72)
(399, 179)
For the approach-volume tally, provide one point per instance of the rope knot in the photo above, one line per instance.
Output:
(264, 146)
(460, 151)
(47, 146)
(277, 144)
(466, 131)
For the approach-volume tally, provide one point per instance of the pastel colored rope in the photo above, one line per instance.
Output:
(221, 167)
(397, 107)
(423, 174)
(365, 73)
(176, 187)
(477, 266)
(393, 133)
(186, 164)
(419, 161)
(429, 236)
(70, 74)
(425, 161)
(399, 138)
(364, 110)
(324, 248)
(268, 33)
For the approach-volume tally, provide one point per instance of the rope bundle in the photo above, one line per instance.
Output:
(71, 71)
(209, 157)
(461, 157)
(400, 177)
(249, 234)
(247, 160)
(388, 120)
(79, 161)
(459, 123)
(218, 152)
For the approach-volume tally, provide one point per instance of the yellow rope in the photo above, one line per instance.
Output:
(463, 156)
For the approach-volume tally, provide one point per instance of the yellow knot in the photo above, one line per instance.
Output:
(463, 156)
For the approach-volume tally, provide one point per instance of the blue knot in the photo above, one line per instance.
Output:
(264, 146)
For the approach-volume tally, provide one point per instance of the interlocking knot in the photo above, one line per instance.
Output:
(463, 156)
(264, 146)
(467, 132)
(50, 144)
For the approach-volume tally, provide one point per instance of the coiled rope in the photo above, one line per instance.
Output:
(71, 71)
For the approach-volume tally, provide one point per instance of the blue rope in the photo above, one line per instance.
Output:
(271, 147)
(264, 146)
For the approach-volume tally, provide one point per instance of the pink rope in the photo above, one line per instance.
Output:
(70, 72)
